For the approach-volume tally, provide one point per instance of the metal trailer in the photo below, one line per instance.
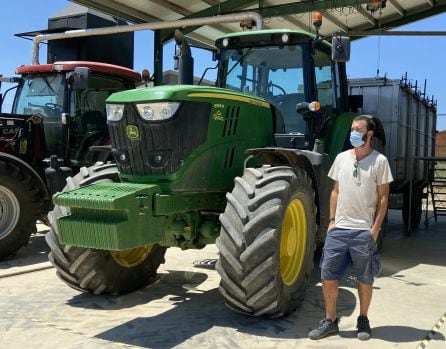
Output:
(409, 120)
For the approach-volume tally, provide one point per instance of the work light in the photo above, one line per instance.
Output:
(157, 111)
(115, 112)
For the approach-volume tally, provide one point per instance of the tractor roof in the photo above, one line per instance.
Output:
(66, 66)
(303, 33)
(265, 37)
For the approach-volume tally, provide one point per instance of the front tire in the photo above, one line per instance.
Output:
(100, 271)
(19, 208)
(267, 241)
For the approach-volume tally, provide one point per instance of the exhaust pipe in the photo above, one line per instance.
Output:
(184, 59)
(236, 17)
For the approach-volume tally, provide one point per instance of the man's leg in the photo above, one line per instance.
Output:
(329, 324)
(366, 263)
(365, 297)
(330, 291)
(333, 265)
(362, 324)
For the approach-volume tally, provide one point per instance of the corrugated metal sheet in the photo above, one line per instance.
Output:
(339, 15)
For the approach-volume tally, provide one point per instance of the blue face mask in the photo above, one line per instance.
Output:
(357, 139)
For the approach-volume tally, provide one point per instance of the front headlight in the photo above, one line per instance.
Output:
(157, 111)
(115, 112)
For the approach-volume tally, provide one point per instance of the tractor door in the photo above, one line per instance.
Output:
(331, 92)
(89, 124)
(44, 95)
(277, 74)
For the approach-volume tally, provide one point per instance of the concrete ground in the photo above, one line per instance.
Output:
(184, 309)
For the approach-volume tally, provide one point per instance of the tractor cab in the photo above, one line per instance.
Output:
(288, 69)
(69, 99)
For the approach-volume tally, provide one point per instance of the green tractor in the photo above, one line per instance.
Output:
(243, 165)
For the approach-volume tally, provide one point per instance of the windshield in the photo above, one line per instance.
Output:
(41, 94)
(272, 72)
(44, 95)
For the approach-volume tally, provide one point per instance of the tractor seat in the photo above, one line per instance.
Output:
(287, 105)
(93, 120)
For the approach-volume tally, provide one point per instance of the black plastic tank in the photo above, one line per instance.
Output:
(55, 175)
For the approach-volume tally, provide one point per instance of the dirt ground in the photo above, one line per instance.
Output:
(184, 309)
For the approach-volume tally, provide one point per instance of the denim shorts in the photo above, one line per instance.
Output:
(350, 246)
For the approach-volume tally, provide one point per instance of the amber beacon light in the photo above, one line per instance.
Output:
(317, 19)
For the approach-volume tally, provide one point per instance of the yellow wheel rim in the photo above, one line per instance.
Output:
(131, 258)
(293, 242)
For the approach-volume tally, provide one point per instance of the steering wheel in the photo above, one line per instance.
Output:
(53, 106)
(271, 85)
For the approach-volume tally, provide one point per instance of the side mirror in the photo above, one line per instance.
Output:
(79, 78)
(340, 48)
(13, 80)
(355, 102)
(304, 107)
(308, 110)
(216, 56)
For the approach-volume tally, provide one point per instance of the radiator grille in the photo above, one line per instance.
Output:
(162, 146)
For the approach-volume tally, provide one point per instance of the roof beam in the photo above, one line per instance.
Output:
(437, 9)
(335, 21)
(271, 11)
(290, 19)
(200, 41)
(186, 13)
(306, 6)
(211, 2)
(409, 18)
(173, 7)
(396, 33)
(431, 3)
(368, 17)
(225, 7)
(401, 11)
(296, 22)
(116, 9)
(219, 9)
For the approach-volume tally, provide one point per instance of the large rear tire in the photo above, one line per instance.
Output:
(267, 241)
(100, 271)
(415, 211)
(19, 208)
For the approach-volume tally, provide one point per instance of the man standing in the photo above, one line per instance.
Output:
(358, 205)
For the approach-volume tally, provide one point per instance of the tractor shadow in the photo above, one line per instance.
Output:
(172, 284)
(34, 253)
(191, 312)
(178, 308)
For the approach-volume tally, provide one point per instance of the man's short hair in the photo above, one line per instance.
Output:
(370, 123)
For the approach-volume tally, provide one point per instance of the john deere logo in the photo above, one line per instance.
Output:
(132, 132)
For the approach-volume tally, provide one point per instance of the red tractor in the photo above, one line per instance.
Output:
(58, 113)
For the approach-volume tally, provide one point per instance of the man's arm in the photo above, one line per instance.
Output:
(381, 209)
(333, 204)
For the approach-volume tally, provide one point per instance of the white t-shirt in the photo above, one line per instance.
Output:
(358, 196)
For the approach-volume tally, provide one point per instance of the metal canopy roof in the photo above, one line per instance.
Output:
(338, 15)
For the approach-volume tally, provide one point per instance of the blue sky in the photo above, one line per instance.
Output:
(421, 57)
